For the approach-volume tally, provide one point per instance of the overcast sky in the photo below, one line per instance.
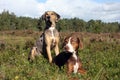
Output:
(105, 10)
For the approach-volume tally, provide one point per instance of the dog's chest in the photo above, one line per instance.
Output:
(52, 35)
(52, 32)
(76, 65)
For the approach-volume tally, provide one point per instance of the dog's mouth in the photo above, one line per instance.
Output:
(49, 23)
(68, 49)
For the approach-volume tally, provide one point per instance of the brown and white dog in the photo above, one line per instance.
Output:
(72, 44)
(50, 37)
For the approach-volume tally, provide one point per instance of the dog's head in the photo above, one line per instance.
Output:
(50, 16)
(72, 43)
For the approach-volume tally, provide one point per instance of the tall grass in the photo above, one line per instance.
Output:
(101, 59)
(97, 77)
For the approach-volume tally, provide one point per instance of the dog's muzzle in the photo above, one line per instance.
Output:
(48, 18)
(66, 48)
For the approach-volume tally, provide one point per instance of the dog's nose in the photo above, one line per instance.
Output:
(66, 48)
(48, 17)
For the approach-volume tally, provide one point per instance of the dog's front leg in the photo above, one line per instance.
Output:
(49, 53)
(48, 41)
(56, 50)
(69, 68)
(56, 47)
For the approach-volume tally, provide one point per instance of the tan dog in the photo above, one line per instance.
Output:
(51, 34)
(50, 37)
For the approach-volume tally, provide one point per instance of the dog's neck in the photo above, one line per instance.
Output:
(50, 26)
(74, 55)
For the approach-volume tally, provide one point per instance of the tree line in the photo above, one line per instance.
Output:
(9, 21)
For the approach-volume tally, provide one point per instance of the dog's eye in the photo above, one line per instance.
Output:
(46, 14)
(65, 42)
(52, 14)
(73, 42)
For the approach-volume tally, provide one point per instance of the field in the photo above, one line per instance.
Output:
(100, 57)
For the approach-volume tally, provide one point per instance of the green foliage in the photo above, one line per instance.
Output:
(9, 21)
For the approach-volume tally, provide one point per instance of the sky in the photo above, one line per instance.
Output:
(105, 10)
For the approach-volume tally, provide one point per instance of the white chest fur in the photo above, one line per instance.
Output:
(76, 66)
(52, 29)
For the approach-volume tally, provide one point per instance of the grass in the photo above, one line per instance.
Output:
(100, 59)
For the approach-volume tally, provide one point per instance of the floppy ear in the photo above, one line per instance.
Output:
(63, 44)
(43, 16)
(80, 43)
(58, 16)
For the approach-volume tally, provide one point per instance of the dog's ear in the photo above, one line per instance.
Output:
(80, 43)
(43, 16)
(58, 16)
(63, 44)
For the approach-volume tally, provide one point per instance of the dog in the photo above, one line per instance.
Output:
(49, 38)
(72, 44)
